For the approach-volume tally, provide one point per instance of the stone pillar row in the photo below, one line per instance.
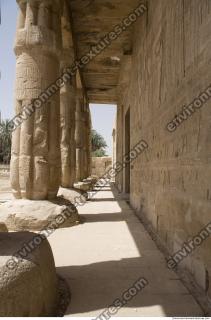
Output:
(43, 147)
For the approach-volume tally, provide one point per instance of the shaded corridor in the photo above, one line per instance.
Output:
(105, 255)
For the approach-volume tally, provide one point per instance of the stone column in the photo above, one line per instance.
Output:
(67, 109)
(22, 15)
(114, 144)
(79, 136)
(83, 144)
(87, 141)
(35, 163)
(119, 145)
(68, 146)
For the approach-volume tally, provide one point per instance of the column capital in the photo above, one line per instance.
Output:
(21, 3)
(39, 28)
(42, 2)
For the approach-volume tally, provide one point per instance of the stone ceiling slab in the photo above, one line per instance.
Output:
(92, 20)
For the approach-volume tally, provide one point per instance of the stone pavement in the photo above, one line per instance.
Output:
(103, 257)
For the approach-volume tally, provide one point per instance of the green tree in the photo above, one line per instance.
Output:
(5, 142)
(99, 145)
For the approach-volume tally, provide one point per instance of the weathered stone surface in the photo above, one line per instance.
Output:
(73, 195)
(170, 182)
(92, 179)
(101, 165)
(114, 141)
(84, 186)
(35, 161)
(3, 227)
(22, 215)
(88, 141)
(82, 135)
(4, 170)
(28, 288)
(79, 137)
(92, 22)
(67, 106)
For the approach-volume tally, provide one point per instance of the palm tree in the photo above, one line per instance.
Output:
(98, 145)
(5, 141)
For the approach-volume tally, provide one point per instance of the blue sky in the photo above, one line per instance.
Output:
(102, 115)
(7, 56)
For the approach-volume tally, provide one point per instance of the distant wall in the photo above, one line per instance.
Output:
(100, 165)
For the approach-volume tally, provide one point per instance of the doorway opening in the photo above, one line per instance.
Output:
(103, 119)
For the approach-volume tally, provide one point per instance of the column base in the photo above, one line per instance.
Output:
(87, 184)
(29, 284)
(30, 215)
(73, 195)
(84, 186)
(92, 179)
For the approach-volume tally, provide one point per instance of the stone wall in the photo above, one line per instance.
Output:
(170, 182)
(100, 165)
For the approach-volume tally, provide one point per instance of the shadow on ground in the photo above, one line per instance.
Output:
(119, 234)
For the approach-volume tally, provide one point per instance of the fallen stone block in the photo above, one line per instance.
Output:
(73, 195)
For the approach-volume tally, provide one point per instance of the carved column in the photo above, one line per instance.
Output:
(35, 163)
(79, 136)
(90, 144)
(87, 141)
(84, 140)
(67, 109)
(114, 144)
